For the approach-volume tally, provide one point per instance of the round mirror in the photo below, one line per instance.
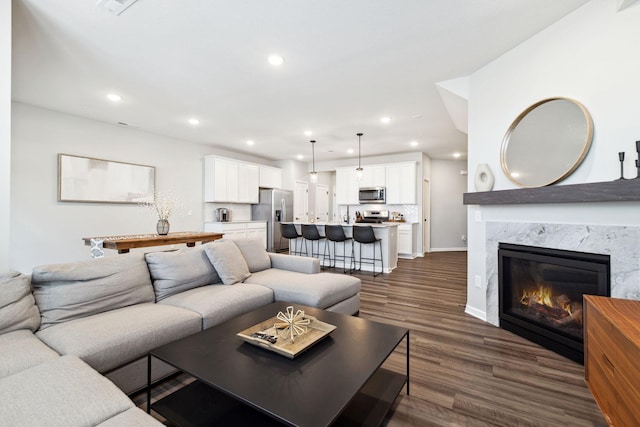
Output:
(546, 142)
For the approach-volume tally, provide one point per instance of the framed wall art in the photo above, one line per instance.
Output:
(85, 179)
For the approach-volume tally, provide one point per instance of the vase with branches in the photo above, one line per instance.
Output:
(162, 205)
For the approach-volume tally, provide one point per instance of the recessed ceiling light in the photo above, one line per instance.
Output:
(250, 142)
(308, 133)
(385, 119)
(456, 155)
(416, 116)
(350, 151)
(299, 157)
(194, 121)
(414, 143)
(114, 97)
(275, 60)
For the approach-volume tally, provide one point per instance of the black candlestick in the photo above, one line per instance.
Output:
(638, 159)
(621, 157)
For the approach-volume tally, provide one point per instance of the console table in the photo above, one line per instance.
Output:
(612, 351)
(123, 243)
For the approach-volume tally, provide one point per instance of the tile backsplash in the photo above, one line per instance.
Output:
(411, 212)
(239, 211)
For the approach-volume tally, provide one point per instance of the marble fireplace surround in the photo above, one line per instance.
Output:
(621, 243)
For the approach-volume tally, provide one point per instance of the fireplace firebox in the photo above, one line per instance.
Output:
(540, 291)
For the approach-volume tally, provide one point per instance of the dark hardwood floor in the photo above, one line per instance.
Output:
(464, 372)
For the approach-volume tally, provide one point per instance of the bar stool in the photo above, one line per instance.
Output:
(364, 236)
(335, 233)
(288, 231)
(310, 232)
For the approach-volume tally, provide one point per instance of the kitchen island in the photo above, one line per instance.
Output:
(387, 232)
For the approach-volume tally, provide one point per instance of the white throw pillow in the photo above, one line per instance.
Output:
(228, 261)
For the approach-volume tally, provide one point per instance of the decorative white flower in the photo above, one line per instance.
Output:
(162, 205)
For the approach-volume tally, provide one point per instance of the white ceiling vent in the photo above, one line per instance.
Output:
(116, 6)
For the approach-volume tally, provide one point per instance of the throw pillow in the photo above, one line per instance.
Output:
(228, 261)
(254, 254)
(178, 271)
(17, 306)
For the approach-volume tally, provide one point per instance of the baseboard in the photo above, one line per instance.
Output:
(463, 248)
(476, 313)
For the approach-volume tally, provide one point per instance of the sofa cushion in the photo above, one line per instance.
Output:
(254, 253)
(177, 271)
(108, 340)
(301, 264)
(134, 417)
(219, 303)
(316, 290)
(64, 392)
(71, 291)
(22, 350)
(228, 261)
(18, 308)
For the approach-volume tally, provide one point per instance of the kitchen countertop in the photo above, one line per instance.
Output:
(234, 222)
(357, 224)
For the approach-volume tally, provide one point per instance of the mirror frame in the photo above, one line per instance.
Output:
(516, 122)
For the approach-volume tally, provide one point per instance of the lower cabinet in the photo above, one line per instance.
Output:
(239, 230)
(406, 240)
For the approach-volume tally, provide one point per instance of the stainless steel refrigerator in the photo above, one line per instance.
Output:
(275, 206)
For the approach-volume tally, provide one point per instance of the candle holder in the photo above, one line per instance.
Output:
(638, 159)
(621, 158)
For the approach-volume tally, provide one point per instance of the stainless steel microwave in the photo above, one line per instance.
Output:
(368, 195)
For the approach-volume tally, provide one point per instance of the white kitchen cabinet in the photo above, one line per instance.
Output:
(405, 239)
(373, 176)
(248, 183)
(220, 180)
(401, 183)
(239, 230)
(230, 181)
(346, 186)
(270, 177)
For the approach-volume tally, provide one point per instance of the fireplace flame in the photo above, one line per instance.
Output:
(542, 295)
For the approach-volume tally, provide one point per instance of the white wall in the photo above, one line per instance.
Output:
(5, 133)
(448, 214)
(590, 55)
(44, 230)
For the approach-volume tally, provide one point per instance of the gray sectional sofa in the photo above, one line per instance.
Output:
(74, 337)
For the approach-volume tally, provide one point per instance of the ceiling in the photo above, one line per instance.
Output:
(347, 64)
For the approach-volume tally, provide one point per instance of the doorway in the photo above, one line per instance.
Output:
(426, 213)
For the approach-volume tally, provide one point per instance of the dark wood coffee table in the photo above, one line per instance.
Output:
(338, 381)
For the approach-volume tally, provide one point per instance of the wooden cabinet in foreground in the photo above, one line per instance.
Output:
(612, 353)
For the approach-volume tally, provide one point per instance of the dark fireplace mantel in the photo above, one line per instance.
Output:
(627, 190)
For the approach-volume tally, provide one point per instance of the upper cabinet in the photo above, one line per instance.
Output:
(270, 177)
(401, 183)
(230, 181)
(373, 176)
(398, 178)
(346, 186)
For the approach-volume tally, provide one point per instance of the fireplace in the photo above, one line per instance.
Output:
(540, 294)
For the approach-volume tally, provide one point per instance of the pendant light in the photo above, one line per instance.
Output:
(359, 170)
(313, 175)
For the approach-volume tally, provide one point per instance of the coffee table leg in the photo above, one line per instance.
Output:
(408, 363)
(148, 383)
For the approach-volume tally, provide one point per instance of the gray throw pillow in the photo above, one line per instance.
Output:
(228, 261)
(178, 271)
(254, 253)
(18, 308)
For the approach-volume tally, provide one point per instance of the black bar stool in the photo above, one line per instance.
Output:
(364, 236)
(288, 231)
(310, 232)
(335, 233)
